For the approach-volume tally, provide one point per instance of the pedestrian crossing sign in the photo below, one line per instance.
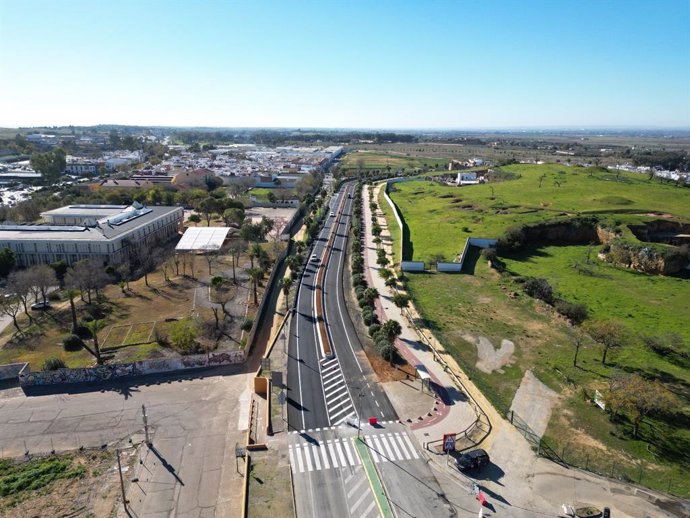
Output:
(448, 442)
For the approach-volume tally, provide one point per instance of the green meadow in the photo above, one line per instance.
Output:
(439, 218)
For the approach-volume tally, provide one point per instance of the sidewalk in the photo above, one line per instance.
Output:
(453, 413)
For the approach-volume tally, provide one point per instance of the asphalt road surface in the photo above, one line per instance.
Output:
(325, 392)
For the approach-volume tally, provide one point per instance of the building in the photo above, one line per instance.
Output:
(81, 167)
(97, 232)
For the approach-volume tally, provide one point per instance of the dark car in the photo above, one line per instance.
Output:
(472, 460)
(40, 305)
(607, 513)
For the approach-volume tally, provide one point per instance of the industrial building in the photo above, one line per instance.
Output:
(96, 232)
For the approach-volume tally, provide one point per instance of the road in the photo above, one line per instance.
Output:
(323, 391)
(331, 395)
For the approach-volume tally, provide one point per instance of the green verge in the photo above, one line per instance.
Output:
(374, 481)
(393, 227)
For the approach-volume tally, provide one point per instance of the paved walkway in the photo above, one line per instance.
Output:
(453, 414)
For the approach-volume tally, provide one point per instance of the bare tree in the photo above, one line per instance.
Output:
(44, 277)
(19, 283)
(11, 306)
(88, 277)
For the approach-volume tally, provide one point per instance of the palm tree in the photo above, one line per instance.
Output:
(382, 261)
(377, 241)
(95, 326)
(286, 284)
(71, 293)
(391, 282)
(255, 274)
(255, 252)
(392, 330)
(370, 295)
(385, 273)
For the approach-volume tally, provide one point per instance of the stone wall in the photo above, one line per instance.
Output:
(116, 371)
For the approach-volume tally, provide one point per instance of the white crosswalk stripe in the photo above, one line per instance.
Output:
(341, 453)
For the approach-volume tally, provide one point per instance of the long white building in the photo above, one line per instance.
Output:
(96, 232)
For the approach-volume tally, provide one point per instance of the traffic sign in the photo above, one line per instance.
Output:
(282, 398)
(448, 442)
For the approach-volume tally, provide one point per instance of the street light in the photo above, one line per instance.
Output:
(359, 411)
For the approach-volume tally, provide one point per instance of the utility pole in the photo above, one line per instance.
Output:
(122, 481)
(146, 425)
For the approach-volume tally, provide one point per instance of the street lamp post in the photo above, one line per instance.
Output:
(359, 413)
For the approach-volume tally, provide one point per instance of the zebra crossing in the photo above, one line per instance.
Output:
(338, 401)
(340, 452)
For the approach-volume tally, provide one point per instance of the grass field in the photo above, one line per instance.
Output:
(441, 217)
(646, 303)
(488, 304)
(368, 160)
(261, 193)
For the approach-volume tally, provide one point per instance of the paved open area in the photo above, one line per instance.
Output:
(195, 422)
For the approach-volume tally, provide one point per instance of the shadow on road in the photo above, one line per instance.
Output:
(166, 464)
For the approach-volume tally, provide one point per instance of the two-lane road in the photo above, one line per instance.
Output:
(328, 391)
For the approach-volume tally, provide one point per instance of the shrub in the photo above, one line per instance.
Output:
(489, 254)
(358, 280)
(539, 289)
(183, 334)
(513, 239)
(247, 324)
(72, 343)
(82, 331)
(53, 364)
(368, 318)
(54, 296)
(576, 313)
(373, 328)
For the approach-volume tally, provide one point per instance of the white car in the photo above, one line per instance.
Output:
(314, 258)
(332, 214)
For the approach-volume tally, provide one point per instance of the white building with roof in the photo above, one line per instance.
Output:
(96, 232)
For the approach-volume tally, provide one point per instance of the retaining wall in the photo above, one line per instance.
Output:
(11, 370)
(116, 371)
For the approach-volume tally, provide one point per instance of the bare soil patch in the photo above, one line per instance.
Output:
(533, 402)
(94, 493)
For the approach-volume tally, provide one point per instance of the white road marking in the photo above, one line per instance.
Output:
(315, 452)
(343, 462)
(409, 444)
(354, 459)
(391, 441)
(307, 457)
(403, 448)
(333, 457)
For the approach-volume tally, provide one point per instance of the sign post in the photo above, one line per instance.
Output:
(448, 442)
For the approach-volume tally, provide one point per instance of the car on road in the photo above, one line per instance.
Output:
(314, 258)
(472, 460)
(349, 195)
(332, 214)
(40, 305)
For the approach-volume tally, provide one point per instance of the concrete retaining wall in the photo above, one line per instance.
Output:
(397, 217)
(449, 267)
(11, 370)
(412, 266)
(116, 371)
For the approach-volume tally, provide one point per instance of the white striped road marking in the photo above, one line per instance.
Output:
(342, 412)
(369, 509)
(372, 450)
(343, 402)
(354, 489)
(409, 444)
(387, 448)
(292, 459)
(391, 441)
(324, 453)
(307, 457)
(300, 464)
(343, 462)
(315, 452)
(335, 390)
(354, 459)
(359, 501)
(403, 448)
(333, 457)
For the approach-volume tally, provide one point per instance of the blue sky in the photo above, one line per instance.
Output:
(368, 64)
